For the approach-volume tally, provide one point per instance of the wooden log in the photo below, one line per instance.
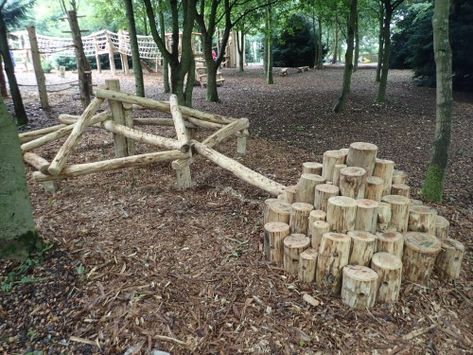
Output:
(353, 182)
(241, 145)
(359, 287)
(317, 230)
(30, 135)
(363, 246)
(334, 253)
(241, 171)
(389, 270)
(183, 173)
(390, 242)
(322, 193)
(449, 260)
(299, 221)
(399, 212)
(274, 234)
(144, 137)
(204, 124)
(311, 167)
(277, 211)
(362, 155)
(420, 252)
(226, 132)
(36, 161)
(384, 169)
(38, 69)
(336, 173)
(415, 202)
(267, 202)
(128, 111)
(442, 227)
(290, 194)
(401, 190)
(294, 245)
(366, 215)
(344, 152)
(374, 188)
(181, 130)
(399, 177)
(159, 121)
(330, 159)
(306, 187)
(315, 215)
(112, 164)
(120, 143)
(307, 264)
(422, 219)
(383, 212)
(60, 159)
(341, 213)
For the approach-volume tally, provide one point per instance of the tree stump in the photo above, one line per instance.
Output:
(315, 215)
(390, 242)
(384, 169)
(366, 215)
(420, 252)
(334, 253)
(330, 159)
(294, 245)
(401, 190)
(274, 234)
(352, 182)
(307, 264)
(290, 194)
(374, 188)
(363, 246)
(441, 227)
(341, 214)
(384, 216)
(422, 219)
(344, 152)
(318, 229)
(306, 187)
(399, 177)
(299, 220)
(359, 286)
(389, 270)
(322, 193)
(336, 173)
(449, 260)
(362, 155)
(399, 211)
(276, 211)
(311, 167)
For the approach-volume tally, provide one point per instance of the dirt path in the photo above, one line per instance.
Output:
(135, 259)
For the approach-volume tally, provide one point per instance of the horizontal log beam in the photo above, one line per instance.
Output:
(36, 161)
(31, 135)
(159, 121)
(226, 132)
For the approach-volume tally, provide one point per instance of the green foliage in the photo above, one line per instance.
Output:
(47, 65)
(16, 12)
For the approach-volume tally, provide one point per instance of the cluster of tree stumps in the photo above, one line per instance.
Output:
(350, 227)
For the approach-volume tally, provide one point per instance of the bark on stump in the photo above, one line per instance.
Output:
(374, 188)
(366, 215)
(336, 174)
(307, 264)
(318, 229)
(341, 213)
(422, 219)
(363, 246)
(401, 190)
(322, 193)
(299, 219)
(389, 270)
(399, 177)
(306, 187)
(274, 234)
(420, 252)
(399, 212)
(276, 211)
(330, 159)
(442, 225)
(449, 260)
(334, 253)
(294, 245)
(390, 242)
(311, 167)
(359, 286)
(384, 169)
(362, 155)
(352, 182)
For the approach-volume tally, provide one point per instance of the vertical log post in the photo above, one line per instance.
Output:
(322, 193)
(366, 215)
(389, 270)
(420, 253)
(442, 225)
(359, 287)
(341, 214)
(242, 141)
(277, 211)
(363, 246)
(311, 167)
(306, 187)
(118, 116)
(318, 229)
(353, 182)
(38, 70)
(401, 190)
(390, 242)
(399, 212)
(362, 155)
(399, 177)
(307, 264)
(383, 212)
(110, 53)
(449, 260)
(374, 188)
(336, 173)
(274, 234)
(330, 159)
(384, 169)
(299, 220)
(294, 245)
(422, 219)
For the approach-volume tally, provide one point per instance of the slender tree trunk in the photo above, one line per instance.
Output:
(240, 37)
(357, 45)
(380, 43)
(386, 52)
(269, 74)
(212, 93)
(335, 47)
(162, 29)
(316, 37)
(320, 59)
(135, 51)
(432, 190)
(340, 106)
(3, 83)
(18, 237)
(20, 113)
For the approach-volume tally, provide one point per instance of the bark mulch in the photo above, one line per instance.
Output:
(137, 265)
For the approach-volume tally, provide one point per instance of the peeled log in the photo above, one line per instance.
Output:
(401, 189)
(311, 167)
(420, 252)
(374, 188)
(334, 253)
(276, 211)
(318, 229)
(306, 187)
(359, 287)
(290, 194)
(352, 182)
(274, 234)
(294, 245)
(299, 220)
(390, 242)
(362, 155)
(389, 270)
(363, 246)
(384, 169)
(415, 202)
(422, 219)
(341, 214)
(442, 225)
(366, 215)
(336, 173)
(399, 177)
(307, 264)
(399, 212)
(315, 215)
(449, 260)
(330, 159)
(383, 212)
(322, 193)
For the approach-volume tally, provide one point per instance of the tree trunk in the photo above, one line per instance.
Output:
(357, 44)
(18, 237)
(240, 37)
(269, 74)
(340, 106)
(432, 188)
(380, 43)
(162, 29)
(3, 83)
(335, 47)
(20, 113)
(320, 58)
(316, 37)
(386, 52)
(135, 53)
(212, 93)
(83, 66)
